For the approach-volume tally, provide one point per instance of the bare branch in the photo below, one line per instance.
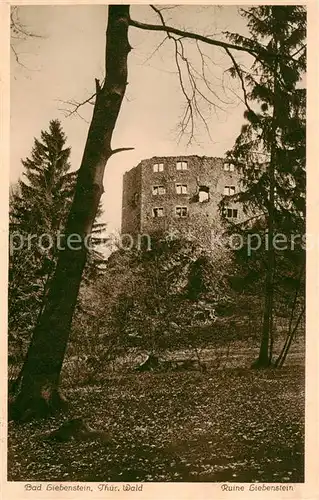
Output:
(19, 32)
(16, 56)
(68, 113)
(18, 28)
(158, 11)
(119, 150)
(240, 75)
(156, 49)
(167, 7)
(191, 35)
(203, 74)
(194, 87)
(191, 88)
(77, 105)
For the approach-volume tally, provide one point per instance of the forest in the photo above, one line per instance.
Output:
(182, 361)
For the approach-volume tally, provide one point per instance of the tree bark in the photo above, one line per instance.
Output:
(39, 388)
(265, 352)
(291, 330)
(283, 355)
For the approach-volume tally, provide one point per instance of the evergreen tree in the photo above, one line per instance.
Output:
(46, 194)
(270, 150)
(39, 207)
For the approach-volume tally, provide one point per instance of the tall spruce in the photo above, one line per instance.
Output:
(39, 204)
(46, 194)
(270, 150)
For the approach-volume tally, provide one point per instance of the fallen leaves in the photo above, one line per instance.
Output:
(225, 426)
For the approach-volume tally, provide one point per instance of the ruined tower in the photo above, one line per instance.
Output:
(178, 194)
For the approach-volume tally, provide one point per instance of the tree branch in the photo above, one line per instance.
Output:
(240, 75)
(77, 105)
(190, 89)
(119, 150)
(16, 56)
(19, 32)
(156, 49)
(18, 28)
(191, 35)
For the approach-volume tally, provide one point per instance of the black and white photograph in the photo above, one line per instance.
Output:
(156, 298)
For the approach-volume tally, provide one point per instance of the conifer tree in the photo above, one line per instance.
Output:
(46, 194)
(270, 150)
(39, 206)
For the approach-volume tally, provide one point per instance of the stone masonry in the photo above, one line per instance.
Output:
(178, 194)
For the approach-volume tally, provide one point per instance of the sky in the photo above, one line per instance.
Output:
(62, 61)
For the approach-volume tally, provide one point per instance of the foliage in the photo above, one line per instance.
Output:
(155, 294)
(284, 29)
(39, 206)
(270, 154)
(148, 301)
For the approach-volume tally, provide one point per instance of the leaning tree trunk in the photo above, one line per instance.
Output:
(291, 329)
(38, 394)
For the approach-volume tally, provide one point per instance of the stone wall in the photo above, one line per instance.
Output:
(205, 179)
(131, 201)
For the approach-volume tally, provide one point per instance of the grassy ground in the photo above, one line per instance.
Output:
(224, 425)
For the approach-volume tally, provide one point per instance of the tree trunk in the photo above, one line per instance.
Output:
(39, 388)
(265, 351)
(285, 350)
(264, 358)
(291, 330)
